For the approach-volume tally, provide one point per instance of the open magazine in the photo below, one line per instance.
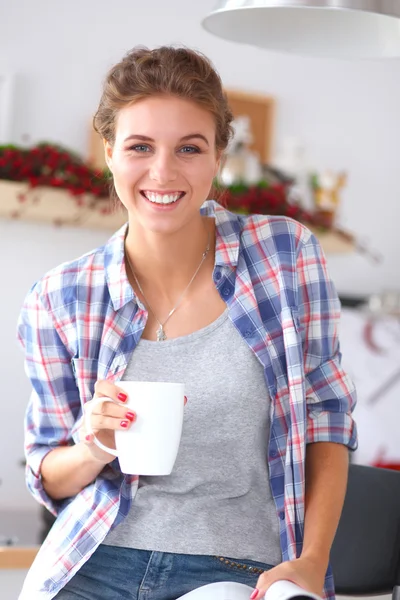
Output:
(228, 590)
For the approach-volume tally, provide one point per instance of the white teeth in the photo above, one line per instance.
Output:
(162, 198)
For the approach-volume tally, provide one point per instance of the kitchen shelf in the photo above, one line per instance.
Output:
(60, 208)
(57, 207)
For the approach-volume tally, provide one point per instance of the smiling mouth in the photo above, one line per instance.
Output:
(157, 198)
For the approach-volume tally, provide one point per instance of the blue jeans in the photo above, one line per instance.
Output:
(114, 573)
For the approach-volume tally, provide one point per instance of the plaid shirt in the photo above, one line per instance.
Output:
(82, 321)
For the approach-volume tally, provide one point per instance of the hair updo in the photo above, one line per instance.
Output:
(166, 70)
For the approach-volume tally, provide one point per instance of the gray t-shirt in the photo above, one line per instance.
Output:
(217, 500)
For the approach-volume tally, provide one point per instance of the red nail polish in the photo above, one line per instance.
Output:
(124, 424)
(185, 397)
(131, 416)
(88, 438)
(254, 594)
(123, 397)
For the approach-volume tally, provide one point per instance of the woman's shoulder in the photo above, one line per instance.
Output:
(277, 234)
(276, 227)
(86, 272)
(87, 267)
(274, 235)
(258, 227)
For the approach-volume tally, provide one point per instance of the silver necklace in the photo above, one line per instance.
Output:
(161, 336)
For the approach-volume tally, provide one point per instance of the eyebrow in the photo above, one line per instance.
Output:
(185, 138)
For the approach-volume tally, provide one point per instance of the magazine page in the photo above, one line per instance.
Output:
(223, 590)
(287, 590)
(228, 590)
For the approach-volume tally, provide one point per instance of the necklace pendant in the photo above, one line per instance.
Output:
(161, 334)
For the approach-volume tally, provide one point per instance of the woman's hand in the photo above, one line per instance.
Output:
(306, 572)
(106, 418)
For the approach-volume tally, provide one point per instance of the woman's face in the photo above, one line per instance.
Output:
(163, 161)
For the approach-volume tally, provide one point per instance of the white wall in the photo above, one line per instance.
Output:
(347, 115)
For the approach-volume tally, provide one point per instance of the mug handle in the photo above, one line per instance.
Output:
(88, 413)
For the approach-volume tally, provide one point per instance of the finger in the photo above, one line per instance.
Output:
(185, 400)
(109, 409)
(263, 583)
(99, 422)
(106, 388)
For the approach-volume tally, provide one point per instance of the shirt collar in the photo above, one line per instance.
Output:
(119, 288)
(227, 229)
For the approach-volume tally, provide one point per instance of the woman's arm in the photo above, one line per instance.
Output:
(67, 470)
(330, 432)
(326, 481)
(56, 467)
(54, 405)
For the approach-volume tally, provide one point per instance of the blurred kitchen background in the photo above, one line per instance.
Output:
(317, 139)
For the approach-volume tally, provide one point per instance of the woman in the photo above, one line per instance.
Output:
(241, 310)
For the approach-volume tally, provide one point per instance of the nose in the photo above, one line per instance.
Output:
(163, 168)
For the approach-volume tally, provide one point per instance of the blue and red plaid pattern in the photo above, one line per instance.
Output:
(81, 322)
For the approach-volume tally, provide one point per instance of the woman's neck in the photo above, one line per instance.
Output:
(166, 263)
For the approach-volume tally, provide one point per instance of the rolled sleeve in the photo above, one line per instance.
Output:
(330, 393)
(54, 404)
(33, 478)
(331, 399)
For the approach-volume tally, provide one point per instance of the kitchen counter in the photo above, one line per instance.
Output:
(20, 537)
(16, 557)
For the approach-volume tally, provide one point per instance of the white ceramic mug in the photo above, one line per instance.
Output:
(150, 445)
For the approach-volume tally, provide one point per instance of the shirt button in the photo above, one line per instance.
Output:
(226, 291)
(273, 453)
(248, 333)
(218, 275)
(281, 515)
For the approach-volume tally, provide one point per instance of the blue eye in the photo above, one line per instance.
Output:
(190, 150)
(140, 148)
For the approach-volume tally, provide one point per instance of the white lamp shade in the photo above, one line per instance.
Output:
(337, 29)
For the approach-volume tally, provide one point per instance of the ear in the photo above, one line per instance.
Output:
(218, 163)
(108, 152)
